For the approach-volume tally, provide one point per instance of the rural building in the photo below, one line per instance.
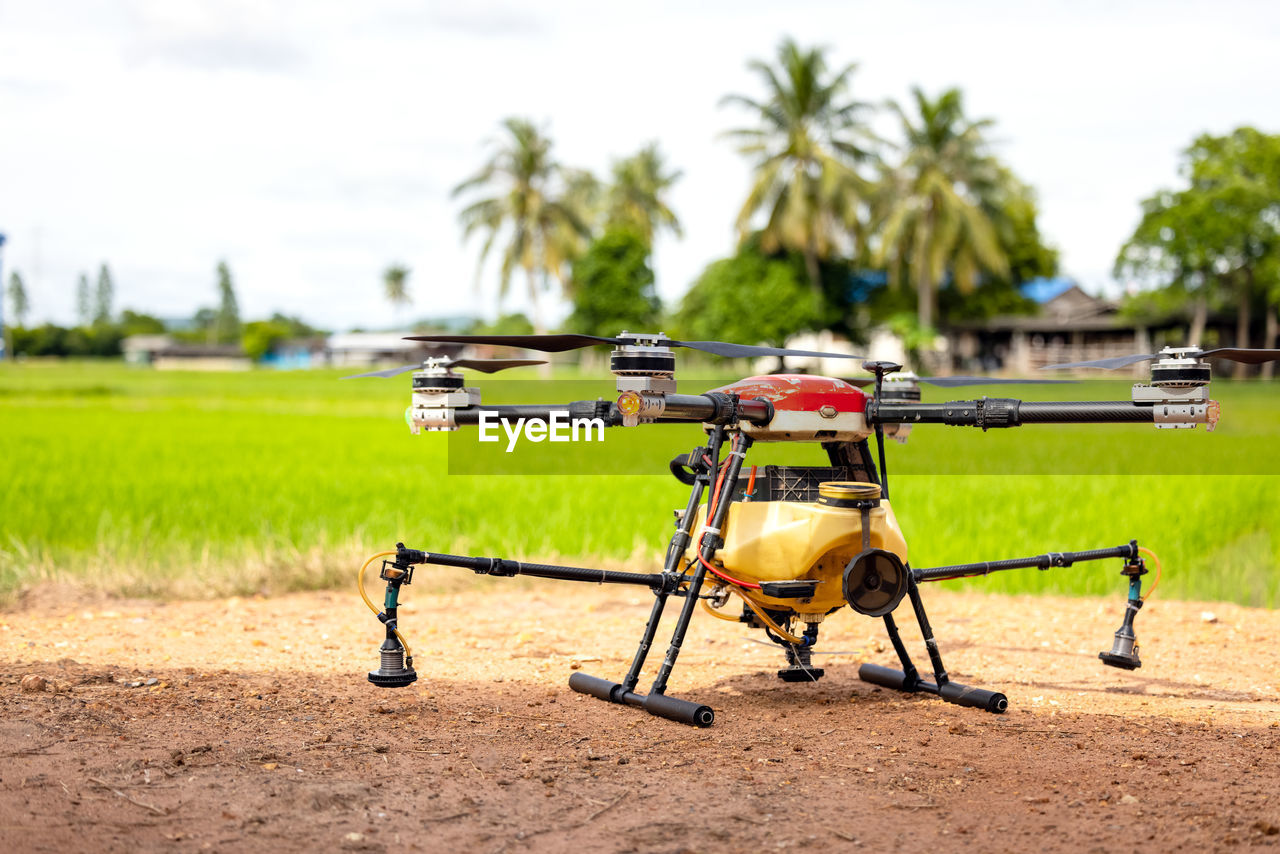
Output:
(142, 349)
(362, 349)
(201, 357)
(1070, 326)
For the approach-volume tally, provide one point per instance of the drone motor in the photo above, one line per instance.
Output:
(1178, 393)
(646, 371)
(437, 392)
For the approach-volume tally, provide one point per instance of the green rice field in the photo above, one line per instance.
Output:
(140, 482)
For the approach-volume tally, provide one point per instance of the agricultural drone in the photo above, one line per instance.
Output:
(793, 543)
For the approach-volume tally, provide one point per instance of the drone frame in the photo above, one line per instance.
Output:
(703, 470)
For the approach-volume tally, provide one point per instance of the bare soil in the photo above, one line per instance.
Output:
(248, 724)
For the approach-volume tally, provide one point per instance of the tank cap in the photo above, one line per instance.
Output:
(839, 492)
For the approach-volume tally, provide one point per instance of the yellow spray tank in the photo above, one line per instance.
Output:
(769, 541)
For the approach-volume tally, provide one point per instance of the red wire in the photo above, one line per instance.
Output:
(749, 585)
(715, 497)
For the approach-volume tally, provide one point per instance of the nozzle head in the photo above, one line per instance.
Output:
(394, 672)
(1124, 647)
(1124, 650)
(1124, 661)
(402, 678)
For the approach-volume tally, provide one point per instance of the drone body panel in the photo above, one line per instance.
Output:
(806, 408)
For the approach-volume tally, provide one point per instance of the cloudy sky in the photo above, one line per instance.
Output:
(312, 143)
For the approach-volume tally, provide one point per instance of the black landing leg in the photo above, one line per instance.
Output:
(908, 678)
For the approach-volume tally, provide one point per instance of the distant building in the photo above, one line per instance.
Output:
(361, 349)
(201, 357)
(142, 349)
(1070, 326)
(298, 354)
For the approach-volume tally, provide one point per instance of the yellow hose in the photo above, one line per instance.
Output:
(408, 654)
(764, 618)
(1159, 572)
(706, 606)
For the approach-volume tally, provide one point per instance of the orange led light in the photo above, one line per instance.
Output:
(629, 403)
(1212, 413)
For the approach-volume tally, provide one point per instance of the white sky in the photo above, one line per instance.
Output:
(311, 144)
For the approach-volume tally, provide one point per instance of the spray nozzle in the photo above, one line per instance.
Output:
(1124, 646)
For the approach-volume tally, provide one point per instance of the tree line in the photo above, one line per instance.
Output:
(945, 225)
(841, 229)
(100, 330)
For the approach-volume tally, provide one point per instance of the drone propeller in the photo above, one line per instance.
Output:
(1233, 354)
(559, 343)
(488, 366)
(956, 382)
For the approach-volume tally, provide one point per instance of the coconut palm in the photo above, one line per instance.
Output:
(395, 283)
(808, 140)
(582, 195)
(933, 213)
(524, 206)
(637, 198)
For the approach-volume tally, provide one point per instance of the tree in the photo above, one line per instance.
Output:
(395, 284)
(934, 209)
(1217, 238)
(637, 198)
(84, 301)
(1011, 207)
(105, 296)
(750, 298)
(583, 195)
(507, 324)
(226, 327)
(524, 206)
(18, 302)
(260, 337)
(805, 147)
(137, 323)
(613, 286)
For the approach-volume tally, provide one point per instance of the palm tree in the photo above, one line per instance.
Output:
(933, 217)
(637, 196)
(807, 143)
(395, 281)
(582, 196)
(525, 206)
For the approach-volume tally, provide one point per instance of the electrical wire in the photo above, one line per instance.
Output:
(408, 654)
(711, 510)
(1159, 572)
(736, 582)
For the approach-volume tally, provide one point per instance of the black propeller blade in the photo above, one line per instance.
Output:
(488, 366)
(1238, 354)
(559, 343)
(545, 343)
(1109, 364)
(1234, 354)
(958, 381)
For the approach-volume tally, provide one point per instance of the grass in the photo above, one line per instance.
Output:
(179, 484)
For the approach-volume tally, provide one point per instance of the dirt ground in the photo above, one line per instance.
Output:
(248, 724)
